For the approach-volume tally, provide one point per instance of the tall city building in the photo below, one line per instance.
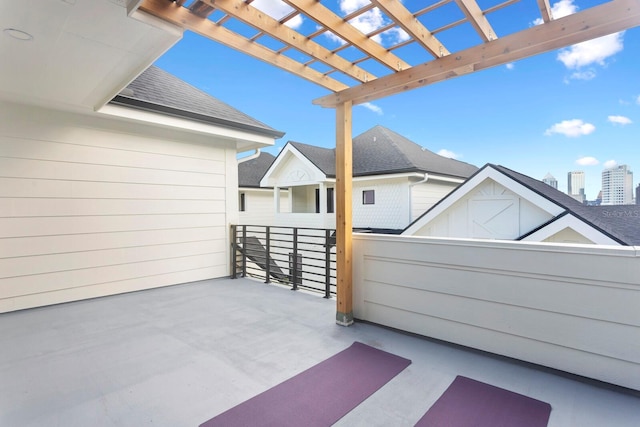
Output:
(575, 185)
(617, 186)
(550, 180)
(638, 195)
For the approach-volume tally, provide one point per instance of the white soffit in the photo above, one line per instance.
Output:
(82, 52)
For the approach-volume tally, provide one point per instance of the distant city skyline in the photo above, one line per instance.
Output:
(577, 179)
(617, 186)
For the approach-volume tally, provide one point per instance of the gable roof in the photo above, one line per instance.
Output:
(380, 151)
(620, 223)
(158, 91)
(251, 171)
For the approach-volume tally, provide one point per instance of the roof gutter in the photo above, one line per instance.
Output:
(250, 156)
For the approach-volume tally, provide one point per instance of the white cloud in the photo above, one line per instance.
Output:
(619, 120)
(559, 10)
(571, 128)
(587, 161)
(448, 153)
(510, 66)
(372, 107)
(583, 75)
(638, 100)
(610, 164)
(277, 10)
(594, 51)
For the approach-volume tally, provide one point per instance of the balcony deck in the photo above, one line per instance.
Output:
(178, 356)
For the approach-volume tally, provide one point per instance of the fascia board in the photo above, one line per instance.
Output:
(240, 137)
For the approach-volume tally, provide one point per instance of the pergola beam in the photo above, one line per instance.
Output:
(325, 17)
(598, 21)
(182, 17)
(274, 28)
(405, 20)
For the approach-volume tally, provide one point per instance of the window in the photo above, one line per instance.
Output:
(317, 200)
(368, 197)
(330, 200)
(243, 205)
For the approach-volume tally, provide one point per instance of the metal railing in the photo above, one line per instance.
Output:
(303, 258)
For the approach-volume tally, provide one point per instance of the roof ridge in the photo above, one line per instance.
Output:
(386, 131)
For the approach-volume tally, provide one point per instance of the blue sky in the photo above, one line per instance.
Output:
(573, 109)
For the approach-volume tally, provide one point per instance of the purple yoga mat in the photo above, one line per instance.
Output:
(319, 396)
(471, 403)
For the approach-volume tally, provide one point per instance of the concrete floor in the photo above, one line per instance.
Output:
(178, 356)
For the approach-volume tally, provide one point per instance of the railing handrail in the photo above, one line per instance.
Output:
(300, 257)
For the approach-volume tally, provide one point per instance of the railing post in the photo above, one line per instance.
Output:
(327, 264)
(234, 251)
(295, 260)
(267, 258)
(244, 251)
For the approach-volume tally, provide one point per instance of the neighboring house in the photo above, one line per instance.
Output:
(255, 203)
(137, 195)
(499, 203)
(394, 181)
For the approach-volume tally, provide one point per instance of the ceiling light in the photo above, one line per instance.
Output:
(18, 34)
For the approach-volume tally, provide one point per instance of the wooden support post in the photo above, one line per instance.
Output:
(344, 229)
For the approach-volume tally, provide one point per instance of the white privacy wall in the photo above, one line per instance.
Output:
(573, 308)
(92, 206)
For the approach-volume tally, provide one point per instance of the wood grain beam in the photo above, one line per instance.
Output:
(344, 222)
(405, 19)
(276, 29)
(477, 19)
(598, 21)
(545, 10)
(325, 17)
(182, 17)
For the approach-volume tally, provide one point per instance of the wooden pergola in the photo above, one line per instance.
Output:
(363, 67)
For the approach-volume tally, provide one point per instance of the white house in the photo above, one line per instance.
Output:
(394, 181)
(255, 203)
(114, 178)
(499, 203)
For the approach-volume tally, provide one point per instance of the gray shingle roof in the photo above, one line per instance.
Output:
(621, 223)
(250, 172)
(381, 151)
(161, 92)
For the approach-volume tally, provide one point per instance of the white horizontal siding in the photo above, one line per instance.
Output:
(567, 307)
(260, 206)
(92, 207)
(424, 196)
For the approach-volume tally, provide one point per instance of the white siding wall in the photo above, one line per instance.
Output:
(424, 196)
(260, 206)
(391, 208)
(91, 207)
(573, 308)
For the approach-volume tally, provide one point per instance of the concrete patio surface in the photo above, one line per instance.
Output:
(180, 355)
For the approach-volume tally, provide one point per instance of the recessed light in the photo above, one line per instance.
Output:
(18, 34)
